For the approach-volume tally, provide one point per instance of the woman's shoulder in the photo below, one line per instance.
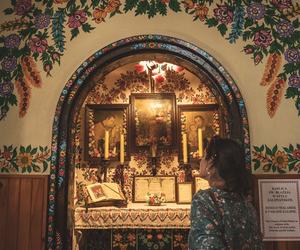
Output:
(203, 195)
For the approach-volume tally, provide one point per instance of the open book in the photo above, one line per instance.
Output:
(106, 191)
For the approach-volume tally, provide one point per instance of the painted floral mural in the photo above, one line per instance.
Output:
(275, 160)
(35, 34)
(24, 159)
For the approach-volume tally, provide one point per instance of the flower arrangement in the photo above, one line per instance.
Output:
(155, 199)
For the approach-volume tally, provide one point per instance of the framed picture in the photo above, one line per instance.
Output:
(153, 120)
(200, 184)
(142, 185)
(278, 202)
(193, 117)
(106, 117)
(184, 193)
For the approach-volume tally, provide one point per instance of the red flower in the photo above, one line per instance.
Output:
(61, 172)
(263, 38)
(149, 236)
(159, 78)
(37, 44)
(159, 236)
(77, 19)
(248, 50)
(282, 4)
(223, 14)
(139, 68)
(296, 153)
(6, 155)
(257, 59)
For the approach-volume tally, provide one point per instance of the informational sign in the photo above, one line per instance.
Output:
(279, 209)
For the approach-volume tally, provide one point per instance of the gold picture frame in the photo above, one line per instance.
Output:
(144, 184)
(184, 194)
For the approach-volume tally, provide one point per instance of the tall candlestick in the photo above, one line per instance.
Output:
(122, 149)
(184, 147)
(106, 145)
(200, 143)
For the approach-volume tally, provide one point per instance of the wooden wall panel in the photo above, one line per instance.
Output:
(23, 207)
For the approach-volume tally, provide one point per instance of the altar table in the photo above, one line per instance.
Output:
(135, 215)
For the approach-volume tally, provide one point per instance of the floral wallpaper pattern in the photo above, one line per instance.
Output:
(36, 33)
(274, 160)
(25, 160)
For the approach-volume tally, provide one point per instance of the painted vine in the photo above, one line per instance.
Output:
(274, 160)
(37, 31)
(24, 160)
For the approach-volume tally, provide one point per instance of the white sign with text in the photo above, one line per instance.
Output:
(279, 209)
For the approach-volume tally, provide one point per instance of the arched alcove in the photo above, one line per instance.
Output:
(118, 54)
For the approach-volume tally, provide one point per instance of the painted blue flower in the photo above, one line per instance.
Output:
(256, 11)
(6, 88)
(42, 21)
(285, 28)
(12, 41)
(292, 55)
(294, 81)
(9, 63)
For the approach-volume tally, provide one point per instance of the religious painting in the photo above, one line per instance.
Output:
(145, 185)
(106, 122)
(96, 192)
(195, 119)
(153, 120)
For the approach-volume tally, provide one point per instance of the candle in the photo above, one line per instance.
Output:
(184, 147)
(200, 143)
(106, 145)
(122, 149)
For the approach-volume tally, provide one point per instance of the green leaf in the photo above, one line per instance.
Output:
(34, 151)
(130, 4)
(291, 148)
(291, 92)
(222, 28)
(28, 149)
(8, 11)
(174, 5)
(45, 166)
(86, 27)
(22, 149)
(274, 169)
(248, 23)
(280, 171)
(29, 169)
(268, 151)
(274, 150)
(211, 22)
(36, 168)
(262, 148)
(74, 33)
(256, 164)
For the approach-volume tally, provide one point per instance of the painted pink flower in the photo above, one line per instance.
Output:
(22, 7)
(37, 44)
(223, 14)
(296, 153)
(263, 38)
(77, 19)
(257, 59)
(282, 4)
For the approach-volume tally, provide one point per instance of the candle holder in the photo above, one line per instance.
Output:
(119, 175)
(154, 163)
(102, 170)
(187, 168)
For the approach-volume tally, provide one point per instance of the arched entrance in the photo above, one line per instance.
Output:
(107, 59)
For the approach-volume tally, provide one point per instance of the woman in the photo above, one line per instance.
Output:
(222, 217)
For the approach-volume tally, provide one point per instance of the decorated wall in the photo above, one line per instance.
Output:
(44, 42)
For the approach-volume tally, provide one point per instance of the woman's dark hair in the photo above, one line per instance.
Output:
(228, 158)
